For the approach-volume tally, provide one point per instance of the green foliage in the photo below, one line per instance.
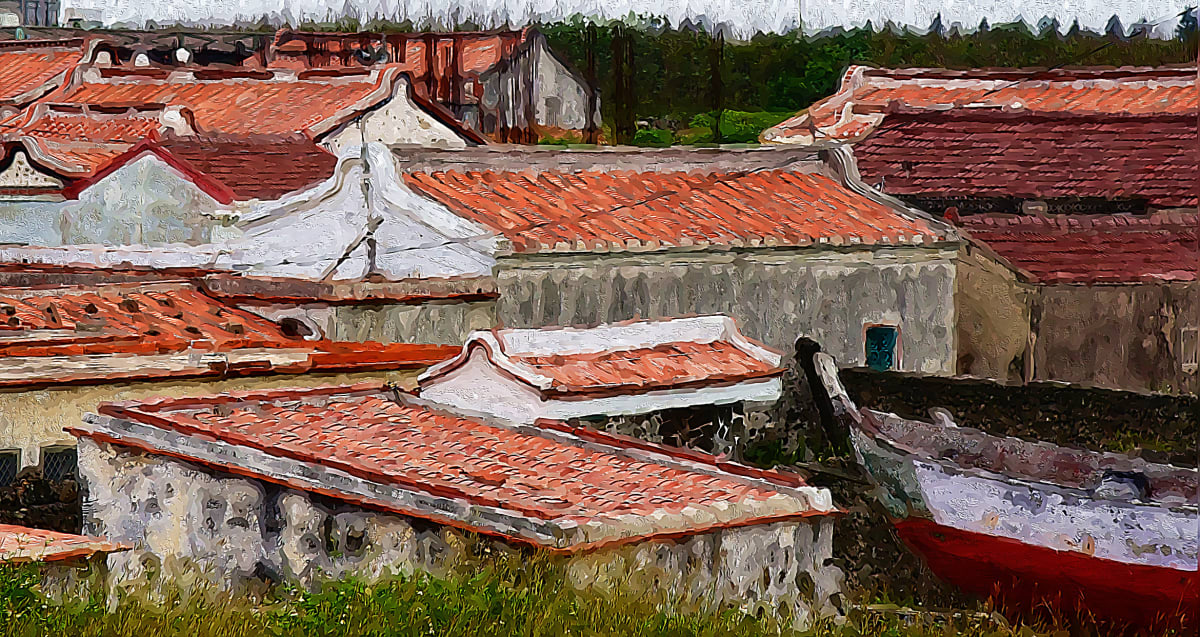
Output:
(773, 74)
(511, 595)
(653, 137)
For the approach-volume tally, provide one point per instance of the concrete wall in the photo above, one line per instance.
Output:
(538, 81)
(181, 516)
(993, 310)
(34, 419)
(442, 324)
(775, 295)
(561, 99)
(1117, 336)
(1124, 336)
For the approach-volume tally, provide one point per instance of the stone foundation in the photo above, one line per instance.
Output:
(184, 520)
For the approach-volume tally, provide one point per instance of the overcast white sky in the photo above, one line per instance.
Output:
(741, 17)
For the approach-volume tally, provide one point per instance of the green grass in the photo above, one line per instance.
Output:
(513, 596)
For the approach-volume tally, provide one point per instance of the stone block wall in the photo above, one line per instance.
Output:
(185, 519)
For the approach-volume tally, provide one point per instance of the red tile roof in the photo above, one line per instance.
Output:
(146, 330)
(866, 94)
(627, 358)
(22, 544)
(125, 319)
(30, 68)
(971, 153)
(595, 210)
(1094, 249)
(227, 168)
(258, 167)
(571, 478)
(127, 127)
(647, 369)
(242, 106)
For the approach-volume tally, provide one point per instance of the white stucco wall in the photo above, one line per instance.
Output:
(398, 121)
(145, 202)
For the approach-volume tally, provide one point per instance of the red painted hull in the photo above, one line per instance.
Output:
(1027, 579)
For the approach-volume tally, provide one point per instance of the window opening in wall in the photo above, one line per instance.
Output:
(881, 347)
(1189, 349)
(59, 463)
(10, 463)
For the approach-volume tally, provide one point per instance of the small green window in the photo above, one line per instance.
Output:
(881, 347)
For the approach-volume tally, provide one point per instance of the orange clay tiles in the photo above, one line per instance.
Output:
(866, 95)
(31, 68)
(244, 106)
(645, 369)
(590, 210)
(21, 544)
(152, 330)
(553, 473)
(1089, 249)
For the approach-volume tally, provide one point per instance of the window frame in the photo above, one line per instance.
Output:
(1189, 364)
(45, 453)
(897, 350)
(16, 453)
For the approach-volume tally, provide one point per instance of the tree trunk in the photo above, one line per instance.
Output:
(716, 58)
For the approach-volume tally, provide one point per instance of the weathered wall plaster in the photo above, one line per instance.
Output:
(180, 516)
(1119, 336)
(397, 121)
(993, 317)
(774, 295)
(144, 202)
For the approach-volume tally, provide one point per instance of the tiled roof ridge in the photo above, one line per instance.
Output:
(1127, 222)
(515, 352)
(33, 45)
(1057, 74)
(180, 283)
(999, 113)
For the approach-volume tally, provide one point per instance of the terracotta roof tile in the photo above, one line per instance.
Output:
(126, 331)
(627, 358)
(859, 105)
(30, 68)
(539, 473)
(125, 319)
(241, 106)
(616, 211)
(1034, 156)
(645, 369)
(1094, 249)
(257, 167)
(22, 544)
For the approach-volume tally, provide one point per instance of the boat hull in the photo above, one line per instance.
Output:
(1026, 579)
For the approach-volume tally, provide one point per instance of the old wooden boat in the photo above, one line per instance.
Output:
(1031, 524)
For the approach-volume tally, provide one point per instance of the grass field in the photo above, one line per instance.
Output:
(511, 597)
